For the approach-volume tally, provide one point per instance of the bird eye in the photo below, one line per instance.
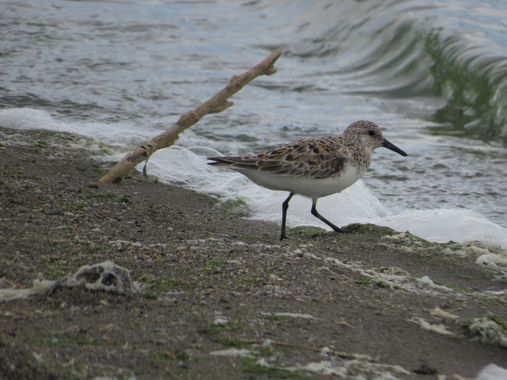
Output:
(371, 132)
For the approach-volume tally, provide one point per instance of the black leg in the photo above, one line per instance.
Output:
(285, 206)
(316, 213)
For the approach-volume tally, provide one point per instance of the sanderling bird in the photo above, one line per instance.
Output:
(313, 167)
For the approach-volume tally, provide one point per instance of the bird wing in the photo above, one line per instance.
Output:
(318, 158)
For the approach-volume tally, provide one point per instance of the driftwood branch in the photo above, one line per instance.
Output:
(217, 103)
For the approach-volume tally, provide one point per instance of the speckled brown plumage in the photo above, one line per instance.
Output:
(318, 157)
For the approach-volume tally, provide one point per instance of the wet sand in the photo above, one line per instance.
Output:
(222, 297)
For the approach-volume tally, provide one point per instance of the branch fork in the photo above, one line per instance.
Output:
(216, 104)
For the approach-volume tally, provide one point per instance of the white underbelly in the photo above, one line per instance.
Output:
(306, 186)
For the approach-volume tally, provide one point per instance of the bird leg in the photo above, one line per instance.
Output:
(285, 206)
(316, 213)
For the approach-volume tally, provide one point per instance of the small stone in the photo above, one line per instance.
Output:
(53, 211)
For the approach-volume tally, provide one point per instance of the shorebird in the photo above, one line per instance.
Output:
(313, 167)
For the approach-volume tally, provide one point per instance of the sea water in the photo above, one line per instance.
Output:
(433, 76)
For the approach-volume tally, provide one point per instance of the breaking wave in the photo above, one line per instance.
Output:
(451, 55)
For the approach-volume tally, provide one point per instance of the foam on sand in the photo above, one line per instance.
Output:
(492, 372)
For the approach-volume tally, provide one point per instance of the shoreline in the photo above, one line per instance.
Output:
(215, 282)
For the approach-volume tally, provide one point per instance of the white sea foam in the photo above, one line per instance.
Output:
(30, 118)
(186, 166)
(354, 205)
(492, 372)
(442, 225)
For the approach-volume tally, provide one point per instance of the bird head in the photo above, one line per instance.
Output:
(368, 134)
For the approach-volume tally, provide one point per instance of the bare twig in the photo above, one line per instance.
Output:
(215, 104)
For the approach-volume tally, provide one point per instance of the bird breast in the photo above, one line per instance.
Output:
(305, 185)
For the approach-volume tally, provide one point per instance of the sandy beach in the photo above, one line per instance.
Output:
(218, 296)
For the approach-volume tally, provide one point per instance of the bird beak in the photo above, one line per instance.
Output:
(394, 148)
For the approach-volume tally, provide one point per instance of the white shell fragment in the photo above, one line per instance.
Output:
(106, 276)
(102, 276)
